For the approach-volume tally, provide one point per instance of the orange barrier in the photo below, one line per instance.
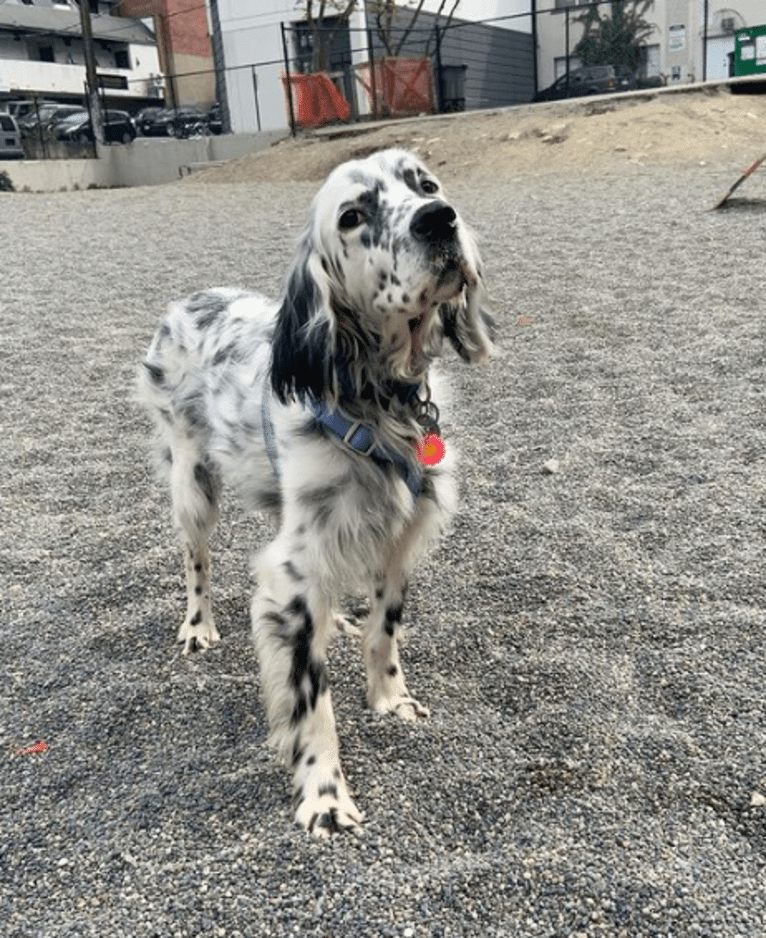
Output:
(316, 100)
(402, 87)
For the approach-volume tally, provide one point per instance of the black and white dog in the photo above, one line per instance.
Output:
(312, 407)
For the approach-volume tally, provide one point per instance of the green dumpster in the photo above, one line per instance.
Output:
(750, 51)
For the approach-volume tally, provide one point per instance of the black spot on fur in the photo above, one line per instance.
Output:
(297, 607)
(327, 821)
(292, 572)
(392, 670)
(224, 354)
(207, 307)
(321, 502)
(393, 617)
(269, 501)
(193, 412)
(329, 788)
(300, 708)
(156, 373)
(311, 760)
(280, 627)
(205, 482)
(319, 680)
(304, 665)
(196, 618)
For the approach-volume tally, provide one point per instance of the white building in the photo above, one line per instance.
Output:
(42, 52)
(674, 51)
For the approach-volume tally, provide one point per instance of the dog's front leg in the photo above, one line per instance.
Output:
(292, 617)
(386, 688)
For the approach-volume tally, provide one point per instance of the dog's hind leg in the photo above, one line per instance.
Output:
(195, 488)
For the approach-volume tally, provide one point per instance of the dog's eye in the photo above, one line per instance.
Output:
(429, 186)
(350, 219)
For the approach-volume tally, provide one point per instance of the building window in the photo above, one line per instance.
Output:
(121, 58)
(45, 54)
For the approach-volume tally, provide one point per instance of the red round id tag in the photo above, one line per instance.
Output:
(430, 449)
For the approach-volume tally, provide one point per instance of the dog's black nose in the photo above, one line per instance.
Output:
(434, 222)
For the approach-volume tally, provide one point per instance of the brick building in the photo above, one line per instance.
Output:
(183, 44)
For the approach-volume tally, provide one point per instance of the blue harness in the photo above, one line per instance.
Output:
(354, 434)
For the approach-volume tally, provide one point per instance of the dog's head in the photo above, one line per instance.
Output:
(385, 270)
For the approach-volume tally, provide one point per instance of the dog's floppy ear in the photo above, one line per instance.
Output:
(302, 348)
(467, 323)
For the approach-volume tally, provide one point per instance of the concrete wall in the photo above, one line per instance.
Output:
(145, 162)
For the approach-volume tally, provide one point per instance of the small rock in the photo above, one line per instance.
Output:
(757, 800)
(551, 467)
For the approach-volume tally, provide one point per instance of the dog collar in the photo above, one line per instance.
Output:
(361, 440)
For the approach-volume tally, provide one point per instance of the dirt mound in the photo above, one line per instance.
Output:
(585, 135)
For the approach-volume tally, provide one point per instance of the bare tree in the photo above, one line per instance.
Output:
(385, 12)
(318, 12)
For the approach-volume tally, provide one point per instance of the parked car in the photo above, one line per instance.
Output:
(61, 117)
(172, 122)
(593, 79)
(145, 120)
(118, 128)
(22, 107)
(10, 139)
(214, 121)
(35, 122)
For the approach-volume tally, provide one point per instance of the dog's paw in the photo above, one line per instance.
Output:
(325, 808)
(347, 625)
(198, 636)
(405, 707)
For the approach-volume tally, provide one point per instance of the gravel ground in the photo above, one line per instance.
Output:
(590, 642)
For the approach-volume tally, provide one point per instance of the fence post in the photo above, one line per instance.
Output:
(255, 95)
(566, 44)
(439, 79)
(706, 14)
(371, 59)
(533, 11)
(288, 83)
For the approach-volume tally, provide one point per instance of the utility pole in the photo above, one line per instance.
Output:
(94, 104)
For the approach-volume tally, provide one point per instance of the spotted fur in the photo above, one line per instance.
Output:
(384, 271)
